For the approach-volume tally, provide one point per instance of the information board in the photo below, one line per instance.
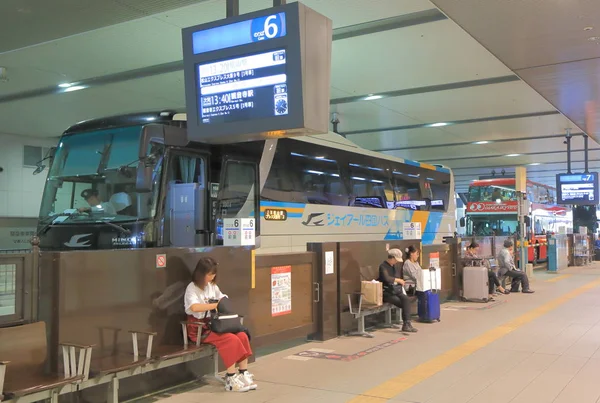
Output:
(263, 74)
(245, 88)
(577, 189)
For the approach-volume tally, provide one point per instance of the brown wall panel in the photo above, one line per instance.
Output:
(302, 299)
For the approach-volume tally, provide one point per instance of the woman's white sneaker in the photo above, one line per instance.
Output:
(236, 383)
(248, 380)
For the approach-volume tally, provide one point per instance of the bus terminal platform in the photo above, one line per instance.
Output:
(521, 348)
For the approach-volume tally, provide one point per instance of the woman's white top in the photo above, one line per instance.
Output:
(196, 295)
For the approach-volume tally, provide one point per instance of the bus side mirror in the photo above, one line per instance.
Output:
(143, 180)
(462, 222)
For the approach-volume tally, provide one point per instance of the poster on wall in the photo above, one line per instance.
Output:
(434, 260)
(281, 290)
(411, 230)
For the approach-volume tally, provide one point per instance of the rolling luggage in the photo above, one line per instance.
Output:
(475, 282)
(428, 301)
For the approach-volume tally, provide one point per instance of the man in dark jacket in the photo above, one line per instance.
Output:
(393, 288)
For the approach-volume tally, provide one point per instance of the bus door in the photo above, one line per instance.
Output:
(186, 208)
(239, 194)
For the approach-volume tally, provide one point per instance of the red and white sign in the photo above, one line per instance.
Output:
(281, 290)
(161, 261)
(492, 207)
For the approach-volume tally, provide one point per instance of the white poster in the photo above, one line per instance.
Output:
(281, 290)
(411, 230)
(329, 262)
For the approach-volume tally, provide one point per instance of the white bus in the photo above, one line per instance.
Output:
(135, 181)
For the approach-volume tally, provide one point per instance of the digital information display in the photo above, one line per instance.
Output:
(243, 88)
(577, 189)
(262, 74)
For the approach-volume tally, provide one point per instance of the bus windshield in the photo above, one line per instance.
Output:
(497, 224)
(93, 177)
(491, 193)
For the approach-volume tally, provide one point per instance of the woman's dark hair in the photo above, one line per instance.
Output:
(473, 245)
(206, 265)
(409, 251)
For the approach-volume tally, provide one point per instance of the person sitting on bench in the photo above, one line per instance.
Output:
(234, 349)
(494, 283)
(506, 267)
(393, 288)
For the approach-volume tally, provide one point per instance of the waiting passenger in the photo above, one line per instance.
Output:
(393, 288)
(412, 269)
(91, 196)
(506, 266)
(233, 348)
(494, 283)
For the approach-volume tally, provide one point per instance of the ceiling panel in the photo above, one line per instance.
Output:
(511, 128)
(29, 22)
(51, 115)
(106, 51)
(342, 12)
(528, 33)
(469, 103)
(410, 57)
(366, 115)
(402, 138)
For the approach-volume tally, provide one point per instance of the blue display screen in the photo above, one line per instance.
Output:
(243, 88)
(240, 33)
(578, 189)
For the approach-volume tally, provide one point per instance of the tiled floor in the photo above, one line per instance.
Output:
(535, 348)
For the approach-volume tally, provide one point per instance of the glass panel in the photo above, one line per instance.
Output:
(93, 176)
(8, 280)
(408, 190)
(370, 185)
(237, 196)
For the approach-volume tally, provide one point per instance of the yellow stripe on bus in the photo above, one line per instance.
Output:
(427, 166)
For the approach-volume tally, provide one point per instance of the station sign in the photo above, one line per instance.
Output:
(263, 74)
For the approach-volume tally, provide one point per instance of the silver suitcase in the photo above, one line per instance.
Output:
(475, 284)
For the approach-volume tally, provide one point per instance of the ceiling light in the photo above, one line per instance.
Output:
(594, 38)
(513, 155)
(481, 142)
(440, 124)
(75, 88)
(372, 97)
(65, 85)
(151, 118)
(588, 28)
(534, 163)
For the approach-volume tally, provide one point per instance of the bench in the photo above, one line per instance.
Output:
(23, 358)
(143, 357)
(359, 313)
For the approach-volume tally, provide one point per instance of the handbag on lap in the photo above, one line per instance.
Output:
(224, 320)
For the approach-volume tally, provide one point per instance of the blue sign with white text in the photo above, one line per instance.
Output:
(240, 33)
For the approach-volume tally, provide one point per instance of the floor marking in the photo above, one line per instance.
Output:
(324, 354)
(558, 278)
(406, 380)
(474, 306)
(321, 350)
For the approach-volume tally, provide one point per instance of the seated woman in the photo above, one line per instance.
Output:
(233, 348)
(411, 271)
(494, 283)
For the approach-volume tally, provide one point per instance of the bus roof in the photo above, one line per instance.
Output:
(503, 182)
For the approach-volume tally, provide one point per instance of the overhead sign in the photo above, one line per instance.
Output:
(263, 74)
(492, 207)
(577, 189)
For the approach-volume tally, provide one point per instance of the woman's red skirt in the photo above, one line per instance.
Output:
(232, 348)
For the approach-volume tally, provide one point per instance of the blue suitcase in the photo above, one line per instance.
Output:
(428, 305)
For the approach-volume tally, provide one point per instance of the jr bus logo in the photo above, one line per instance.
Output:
(269, 27)
(75, 241)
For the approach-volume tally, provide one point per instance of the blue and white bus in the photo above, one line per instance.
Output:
(134, 181)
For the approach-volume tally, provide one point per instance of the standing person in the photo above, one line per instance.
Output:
(506, 266)
(472, 254)
(393, 288)
(233, 348)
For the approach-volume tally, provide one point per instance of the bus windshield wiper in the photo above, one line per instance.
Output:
(110, 224)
